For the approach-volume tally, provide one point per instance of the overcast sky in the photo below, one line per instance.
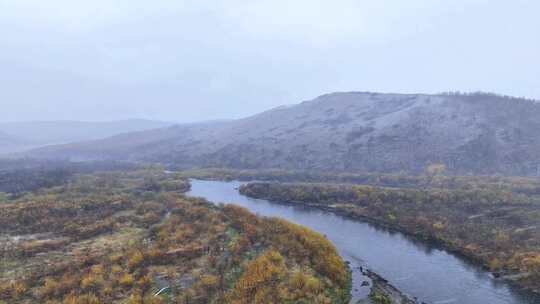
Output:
(198, 60)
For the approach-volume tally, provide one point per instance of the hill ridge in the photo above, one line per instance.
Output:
(477, 133)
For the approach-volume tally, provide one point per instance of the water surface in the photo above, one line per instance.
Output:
(418, 269)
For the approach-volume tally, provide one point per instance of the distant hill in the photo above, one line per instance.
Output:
(5, 138)
(354, 131)
(23, 135)
(10, 143)
(50, 132)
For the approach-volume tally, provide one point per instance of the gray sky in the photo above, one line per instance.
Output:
(198, 60)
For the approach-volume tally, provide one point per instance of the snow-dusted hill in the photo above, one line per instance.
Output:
(355, 131)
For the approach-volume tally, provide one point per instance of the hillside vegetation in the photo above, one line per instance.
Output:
(133, 237)
(494, 226)
(18, 177)
(356, 131)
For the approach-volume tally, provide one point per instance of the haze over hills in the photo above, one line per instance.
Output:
(19, 136)
(354, 131)
(8, 143)
(6, 139)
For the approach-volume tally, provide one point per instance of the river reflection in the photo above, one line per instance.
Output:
(417, 268)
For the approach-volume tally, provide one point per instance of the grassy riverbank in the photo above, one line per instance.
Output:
(125, 237)
(429, 180)
(495, 227)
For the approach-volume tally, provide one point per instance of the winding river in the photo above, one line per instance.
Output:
(420, 270)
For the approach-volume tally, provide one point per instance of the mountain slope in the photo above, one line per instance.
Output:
(477, 133)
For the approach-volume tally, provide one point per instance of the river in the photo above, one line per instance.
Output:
(420, 270)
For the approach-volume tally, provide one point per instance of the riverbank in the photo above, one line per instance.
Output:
(483, 233)
(417, 268)
(382, 292)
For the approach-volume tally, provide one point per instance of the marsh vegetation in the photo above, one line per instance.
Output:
(133, 237)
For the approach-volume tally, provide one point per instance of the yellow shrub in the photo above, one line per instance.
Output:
(91, 281)
(126, 280)
(116, 269)
(97, 269)
(305, 283)
(135, 298)
(12, 289)
(145, 282)
(258, 283)
(209, 281)
(82, 299)
(49, 288)
(116, 258)
(136, 258)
